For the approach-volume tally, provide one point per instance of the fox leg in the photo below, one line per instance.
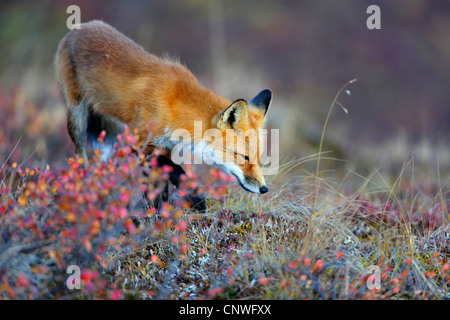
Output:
(174, 178)
(77, 119)
(197, 201)
(177, 171)
(98, 122)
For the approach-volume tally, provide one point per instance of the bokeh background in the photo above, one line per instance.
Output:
(399, 109)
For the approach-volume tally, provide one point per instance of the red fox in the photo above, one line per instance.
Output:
(108, 80)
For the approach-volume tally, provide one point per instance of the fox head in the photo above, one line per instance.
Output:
(240, 125)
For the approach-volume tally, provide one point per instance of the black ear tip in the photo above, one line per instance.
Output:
(262, 100)
(265, 93)
(239, 101)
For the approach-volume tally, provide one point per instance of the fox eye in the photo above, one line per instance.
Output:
(245, 157)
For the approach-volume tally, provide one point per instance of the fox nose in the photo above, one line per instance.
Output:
(263, 189)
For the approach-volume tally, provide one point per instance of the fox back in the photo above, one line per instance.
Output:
(108, 80)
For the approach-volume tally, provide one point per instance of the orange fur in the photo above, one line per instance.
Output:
(98, 67)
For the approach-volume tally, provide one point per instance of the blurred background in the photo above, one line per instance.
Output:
(303, 50)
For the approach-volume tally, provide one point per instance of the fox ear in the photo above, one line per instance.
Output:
(262, 101)
(230, 117)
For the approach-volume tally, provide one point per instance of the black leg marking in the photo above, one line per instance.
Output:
(197, 200)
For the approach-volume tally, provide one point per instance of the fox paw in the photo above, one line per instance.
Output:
(197, 201)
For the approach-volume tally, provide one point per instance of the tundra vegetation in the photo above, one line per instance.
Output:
(378, 195)
(313, 236)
